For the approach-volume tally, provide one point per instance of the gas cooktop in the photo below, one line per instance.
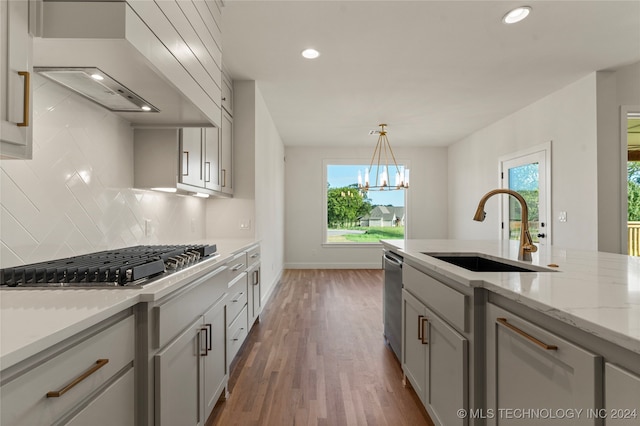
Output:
(121, 268)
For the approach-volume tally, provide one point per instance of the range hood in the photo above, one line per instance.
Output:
(107, 39)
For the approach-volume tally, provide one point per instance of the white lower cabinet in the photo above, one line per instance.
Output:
(435, 360)
(190, 371)
(215, 366)
(533, 372)
(621, 396)
(189, 367)
(89, 382)
(179, 381)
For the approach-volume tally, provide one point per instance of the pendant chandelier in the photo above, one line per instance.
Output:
(381, 156)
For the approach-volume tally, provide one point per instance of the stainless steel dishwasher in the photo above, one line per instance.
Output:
(392, 301)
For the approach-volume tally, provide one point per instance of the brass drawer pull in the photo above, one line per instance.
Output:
(99, 364)
(224, 178)
(27, 89)
(254, 255)
(238, 296)
(503, 321)
(424, 340)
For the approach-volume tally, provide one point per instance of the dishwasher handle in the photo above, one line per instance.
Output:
(393, 260)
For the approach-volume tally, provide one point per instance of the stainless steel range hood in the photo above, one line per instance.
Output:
(81, 38)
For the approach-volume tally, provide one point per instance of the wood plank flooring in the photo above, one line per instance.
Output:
(318, 358)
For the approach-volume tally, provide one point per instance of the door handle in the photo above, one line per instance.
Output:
(424, 340)
(541, 235)
(98, 365)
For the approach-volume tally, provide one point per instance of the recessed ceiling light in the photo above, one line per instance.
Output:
(516, 15)
(310, 53)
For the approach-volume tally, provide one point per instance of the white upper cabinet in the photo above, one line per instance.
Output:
(16, 127)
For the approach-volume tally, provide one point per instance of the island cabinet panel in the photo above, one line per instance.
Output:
(530, 368)
(435, 361)
(414, 352)
(77, 382)
(621, 396)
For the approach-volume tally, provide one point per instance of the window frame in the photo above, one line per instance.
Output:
(352, 162)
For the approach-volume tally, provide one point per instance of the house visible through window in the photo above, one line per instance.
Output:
(354, 216)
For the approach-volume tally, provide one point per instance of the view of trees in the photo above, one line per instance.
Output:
(345, 205)
(633, 190)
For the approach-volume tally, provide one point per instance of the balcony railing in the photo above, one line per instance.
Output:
(633, 233)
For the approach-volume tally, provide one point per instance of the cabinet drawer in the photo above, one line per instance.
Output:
(236, 333)
(449, 303)
(177, 311)
(253, 255)
(237, 265)
(24, 399)
(237, 297)
(528, 366)
(115, 406)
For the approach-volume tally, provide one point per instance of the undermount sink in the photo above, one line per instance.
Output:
(479, 262)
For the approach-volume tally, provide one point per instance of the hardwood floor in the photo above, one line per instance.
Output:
(318, 358)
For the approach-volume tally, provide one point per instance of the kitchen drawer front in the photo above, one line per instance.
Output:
(621, 392)
(173, 314)
(253, 255)
(236, 333)
(115, 406)
(24, 399)
(237, 265)
(237, 297)
(447, 302)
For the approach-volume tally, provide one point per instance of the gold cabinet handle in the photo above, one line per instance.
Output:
(503, 322)
(99, 364)
(224, 178)
(256, 277)
(238, 296)
(420, 327)
(254, 255)
(27, 89)
(209, 337)
(424, 340)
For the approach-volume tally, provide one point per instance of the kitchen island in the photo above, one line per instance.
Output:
(565, 337)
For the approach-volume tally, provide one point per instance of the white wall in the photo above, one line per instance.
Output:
(258, 172)
(75, 196)
(582, 121)
(568, 119)
(304, 187)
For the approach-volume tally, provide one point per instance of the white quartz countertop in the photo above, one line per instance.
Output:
(32, 320)
(594, 291)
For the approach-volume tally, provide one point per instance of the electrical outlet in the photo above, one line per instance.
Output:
(245, 224)
(562, 217)
(147, 227)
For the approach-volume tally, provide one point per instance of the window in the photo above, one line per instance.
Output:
(353, 216)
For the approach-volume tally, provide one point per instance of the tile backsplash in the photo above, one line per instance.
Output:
(76, 195)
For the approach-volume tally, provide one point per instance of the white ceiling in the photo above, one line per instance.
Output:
(434, 71)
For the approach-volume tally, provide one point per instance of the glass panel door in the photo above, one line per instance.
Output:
(527, 175)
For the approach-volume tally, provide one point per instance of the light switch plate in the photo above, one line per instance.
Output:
(562, 217)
